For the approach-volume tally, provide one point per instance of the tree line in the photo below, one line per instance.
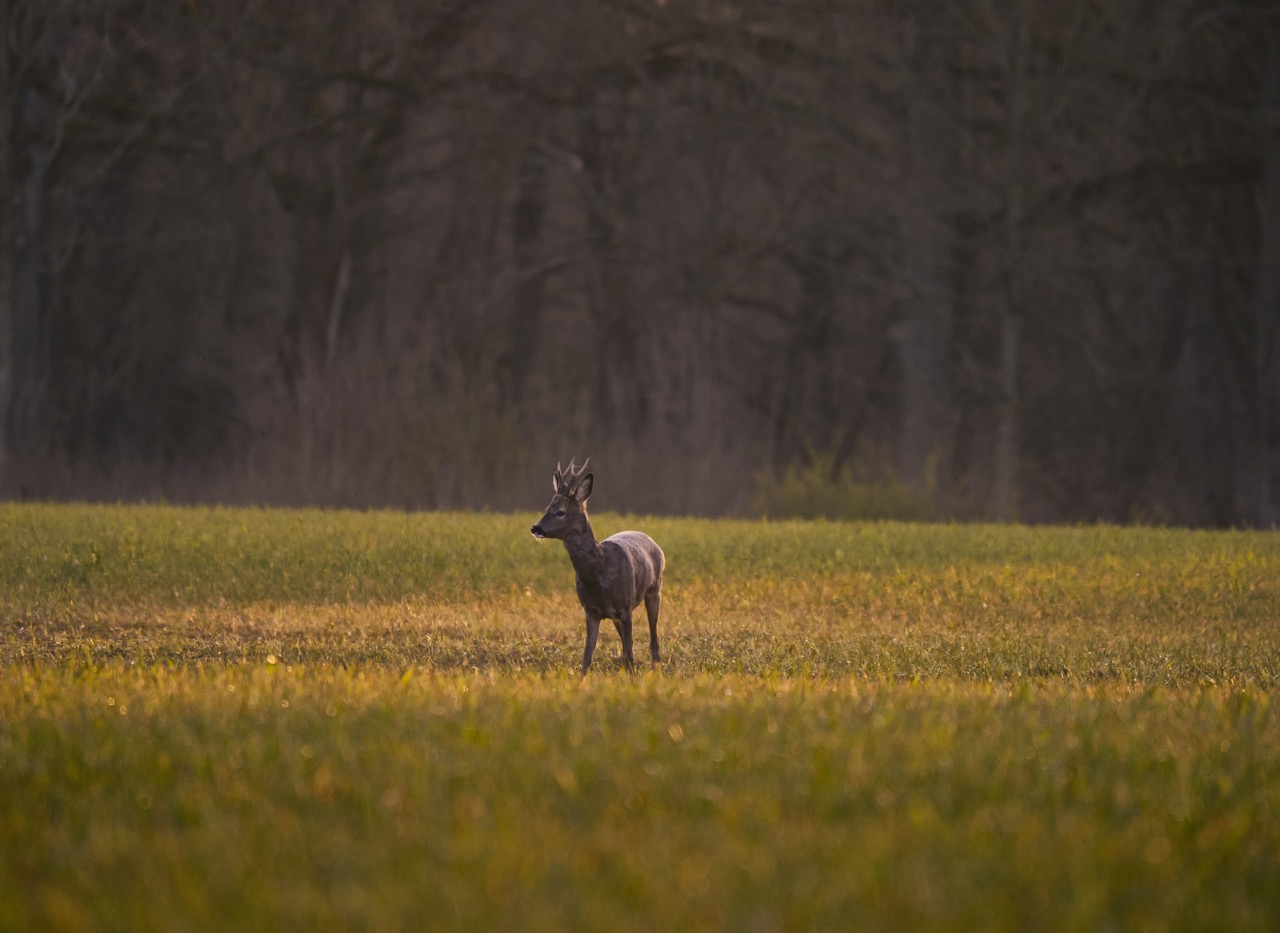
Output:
(1020, 259)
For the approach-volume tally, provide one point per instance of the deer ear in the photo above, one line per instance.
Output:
(584, 488)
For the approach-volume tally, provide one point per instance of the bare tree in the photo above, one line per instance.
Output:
(298, 253)
(1266, 482)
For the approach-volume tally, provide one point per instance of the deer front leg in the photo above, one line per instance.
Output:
(593, 632)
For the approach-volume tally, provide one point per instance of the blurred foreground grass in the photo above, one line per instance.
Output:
(263, 720)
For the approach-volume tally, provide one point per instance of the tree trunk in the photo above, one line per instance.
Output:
(923, 334)
(1266, 459)
(1005, 496)
(7, 251)
(29, 309)
(621, 399)
(806, 414)
(528, 301)
(1006, 455)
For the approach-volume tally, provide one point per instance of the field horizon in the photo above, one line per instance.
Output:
(273, 718)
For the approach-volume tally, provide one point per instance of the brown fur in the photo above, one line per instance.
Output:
(614, 575)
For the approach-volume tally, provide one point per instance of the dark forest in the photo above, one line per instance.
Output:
(980, 259)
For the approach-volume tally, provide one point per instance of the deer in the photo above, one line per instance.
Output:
(613, 576)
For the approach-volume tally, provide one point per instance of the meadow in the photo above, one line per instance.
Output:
(303, 719)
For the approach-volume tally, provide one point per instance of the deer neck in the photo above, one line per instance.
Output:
(585, 553)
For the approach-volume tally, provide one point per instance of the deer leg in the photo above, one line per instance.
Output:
(624, 631)
(652, 602)
(593, 631)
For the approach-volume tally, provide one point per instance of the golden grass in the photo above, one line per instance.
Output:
(256, 719)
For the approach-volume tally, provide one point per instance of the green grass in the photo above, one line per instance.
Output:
(317, 720)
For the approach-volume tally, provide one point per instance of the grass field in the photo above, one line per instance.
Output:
(319, 720)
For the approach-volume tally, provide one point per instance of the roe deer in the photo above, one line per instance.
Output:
(614, 575)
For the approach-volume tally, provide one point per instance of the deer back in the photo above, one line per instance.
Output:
(631, 567)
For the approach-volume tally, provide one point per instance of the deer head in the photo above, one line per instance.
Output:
(568, 508)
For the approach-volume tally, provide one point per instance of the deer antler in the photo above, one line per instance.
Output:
(565, 480)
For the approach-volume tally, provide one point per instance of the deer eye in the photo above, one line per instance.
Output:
(560, 514)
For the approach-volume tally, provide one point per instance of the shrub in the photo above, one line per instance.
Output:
(820, 487)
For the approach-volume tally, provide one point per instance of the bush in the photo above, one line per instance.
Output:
(819, 487)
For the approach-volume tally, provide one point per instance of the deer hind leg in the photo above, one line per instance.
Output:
(593, 632)
(652, 603)
(624, 632)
